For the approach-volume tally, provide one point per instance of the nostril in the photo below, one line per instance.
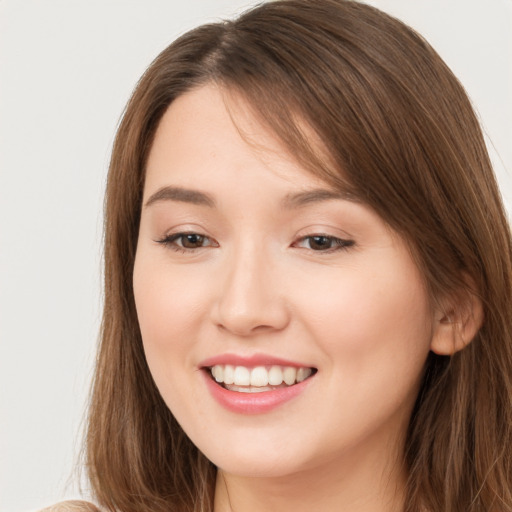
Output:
(244, 327)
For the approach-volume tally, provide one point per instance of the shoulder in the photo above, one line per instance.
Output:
(72, 506)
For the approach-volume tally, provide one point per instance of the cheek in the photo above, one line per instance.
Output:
(377, 322)
(168, 310)
(169, 314)
(374, 334)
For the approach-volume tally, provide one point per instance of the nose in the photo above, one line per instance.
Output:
(250, 298)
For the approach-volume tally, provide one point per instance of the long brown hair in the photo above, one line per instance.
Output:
(400, 132)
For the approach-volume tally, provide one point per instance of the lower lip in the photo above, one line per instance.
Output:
(253, 403)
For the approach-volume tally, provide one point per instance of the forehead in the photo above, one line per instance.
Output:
(206, 136)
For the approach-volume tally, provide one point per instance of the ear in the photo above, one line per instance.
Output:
(457, 320)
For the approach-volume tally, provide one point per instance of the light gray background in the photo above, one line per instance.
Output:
(67, 68)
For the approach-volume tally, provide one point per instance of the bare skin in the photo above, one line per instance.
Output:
(369, 484)
(232, 262)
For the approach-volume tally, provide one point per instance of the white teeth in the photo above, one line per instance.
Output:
(249, 389)
(242, 376)
(218, 373)
(303, 374)
(259, 378)
(289, 375)
(275, 376)
(229, 374)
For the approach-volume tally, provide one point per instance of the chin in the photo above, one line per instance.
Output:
(250, 468)
(261, 460)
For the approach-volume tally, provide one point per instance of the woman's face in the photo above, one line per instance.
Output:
(249, 267)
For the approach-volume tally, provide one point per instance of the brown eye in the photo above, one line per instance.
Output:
(320, 243)
(323, 243)
(187, 241)
(192, 241)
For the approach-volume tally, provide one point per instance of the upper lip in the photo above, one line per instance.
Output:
(250, 361)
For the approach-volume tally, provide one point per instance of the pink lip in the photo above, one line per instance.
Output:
(251, 403)
(249, 361)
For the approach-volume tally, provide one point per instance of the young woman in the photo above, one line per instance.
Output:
(308, 278)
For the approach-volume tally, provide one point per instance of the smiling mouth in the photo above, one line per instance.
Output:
(258, 379)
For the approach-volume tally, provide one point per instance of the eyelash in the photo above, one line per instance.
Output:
(170, 241)
(336, 244)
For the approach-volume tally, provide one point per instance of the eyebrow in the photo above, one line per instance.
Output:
(301, 199)
(291, 201)
(183, 195)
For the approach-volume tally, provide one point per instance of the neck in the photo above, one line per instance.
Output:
(367, 482)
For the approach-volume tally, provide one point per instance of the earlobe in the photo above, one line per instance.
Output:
(456, 323)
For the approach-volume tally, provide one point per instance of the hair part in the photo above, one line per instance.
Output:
(402, 137)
